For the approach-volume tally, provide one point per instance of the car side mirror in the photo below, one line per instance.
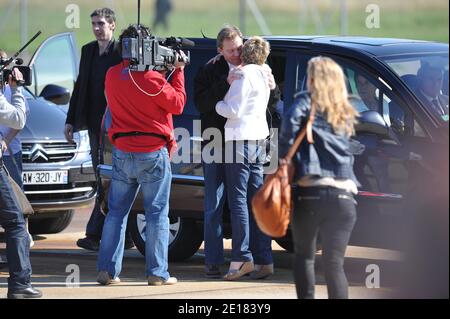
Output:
(372, 122)
(56, 94)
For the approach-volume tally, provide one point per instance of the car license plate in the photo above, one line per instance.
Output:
(45, 177)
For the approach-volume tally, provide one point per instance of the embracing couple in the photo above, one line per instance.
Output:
(233, 92)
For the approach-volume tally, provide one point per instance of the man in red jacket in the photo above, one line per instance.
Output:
(141, 104)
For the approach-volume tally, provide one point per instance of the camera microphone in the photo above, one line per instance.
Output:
(6, 61)
(25, 70)
(187, 43)
(173, 41)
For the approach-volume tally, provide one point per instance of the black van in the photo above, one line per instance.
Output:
(406, 142)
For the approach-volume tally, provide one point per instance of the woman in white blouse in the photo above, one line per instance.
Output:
(246, 129)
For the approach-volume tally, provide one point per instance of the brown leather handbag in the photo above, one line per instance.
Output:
(272, 202)
(22, 199)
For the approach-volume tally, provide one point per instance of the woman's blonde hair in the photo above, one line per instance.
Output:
(328, 90)
(255, 51)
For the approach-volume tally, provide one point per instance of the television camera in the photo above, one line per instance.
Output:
(25, 70)
(148, 52)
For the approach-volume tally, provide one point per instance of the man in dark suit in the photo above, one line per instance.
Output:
(162, 10)
(429, 85)
(88, 104)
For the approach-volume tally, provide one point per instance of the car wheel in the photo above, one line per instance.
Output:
(50, 225)
(286, 243)
(185, 236)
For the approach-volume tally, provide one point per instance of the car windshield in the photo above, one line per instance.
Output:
(427, 77)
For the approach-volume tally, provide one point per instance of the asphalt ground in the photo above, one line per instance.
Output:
(64, 271)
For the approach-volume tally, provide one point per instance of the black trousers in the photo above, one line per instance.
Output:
(95, 225)
(329, 213)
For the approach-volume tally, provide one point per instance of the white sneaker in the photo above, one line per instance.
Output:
(104, 278)
(158, 281)
(31, 240)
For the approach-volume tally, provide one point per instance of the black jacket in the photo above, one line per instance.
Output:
(210, 87)
(331, 154)
(443, 100)
(77, 114)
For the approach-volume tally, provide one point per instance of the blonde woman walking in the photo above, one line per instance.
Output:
(324, 203)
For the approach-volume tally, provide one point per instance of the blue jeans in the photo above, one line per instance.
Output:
(14, 169)
(151, 173)
(17, 240)
(244, 177)
(214, 174)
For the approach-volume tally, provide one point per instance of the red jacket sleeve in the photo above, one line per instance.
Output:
(173, 96)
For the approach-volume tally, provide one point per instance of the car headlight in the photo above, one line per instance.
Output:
(82, 140)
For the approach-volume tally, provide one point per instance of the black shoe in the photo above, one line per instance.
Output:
(129, 244)
(26, 293)
(212, 271)
(3, 262)
(88, 243)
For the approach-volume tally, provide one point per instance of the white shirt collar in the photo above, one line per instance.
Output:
(231, 66)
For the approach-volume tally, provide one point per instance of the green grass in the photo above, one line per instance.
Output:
(424, 20)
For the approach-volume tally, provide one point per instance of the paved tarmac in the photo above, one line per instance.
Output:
(57, 261)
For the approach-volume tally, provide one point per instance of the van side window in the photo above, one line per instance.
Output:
(367, 93)
(277, 62)
(373, 95)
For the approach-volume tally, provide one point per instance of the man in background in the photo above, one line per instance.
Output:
(162, 10)
(429, 86)
(88, 104)
(367, 92)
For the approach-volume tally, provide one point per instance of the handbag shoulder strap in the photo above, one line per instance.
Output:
(307, 130)
(5, 169)
(13, 158)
